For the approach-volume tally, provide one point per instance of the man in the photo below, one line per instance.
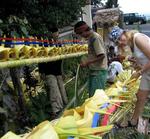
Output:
(97, 58)
(52, 76)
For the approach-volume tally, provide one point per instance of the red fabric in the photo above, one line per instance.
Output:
(105, 120)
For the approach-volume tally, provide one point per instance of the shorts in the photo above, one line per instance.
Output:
(97, 81)
(145, 81)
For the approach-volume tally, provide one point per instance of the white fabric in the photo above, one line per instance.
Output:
(114, 68)
(142, 59)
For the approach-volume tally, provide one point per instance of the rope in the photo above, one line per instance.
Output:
(40, 43)
(27, 41)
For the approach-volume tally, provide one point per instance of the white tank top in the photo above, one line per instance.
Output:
(138, 54)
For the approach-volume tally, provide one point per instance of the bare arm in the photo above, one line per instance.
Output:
(98, 58)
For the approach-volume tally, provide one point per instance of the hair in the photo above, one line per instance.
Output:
(79, 24)
(111, 47)
(53, 29)
(130, 34)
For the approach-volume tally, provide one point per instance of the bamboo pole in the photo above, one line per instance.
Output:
(79, 93)
(23, 62)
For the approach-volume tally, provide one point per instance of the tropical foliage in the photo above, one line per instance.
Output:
(111, 3)
(37, 16)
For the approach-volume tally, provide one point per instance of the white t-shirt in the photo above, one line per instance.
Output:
(142, 59)
(114, 68)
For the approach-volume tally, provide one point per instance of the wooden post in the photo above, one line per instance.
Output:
(87, 16)
(143, 125)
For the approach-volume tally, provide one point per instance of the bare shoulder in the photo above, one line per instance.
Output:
(142, 40)
(141, 36)
(143, 43)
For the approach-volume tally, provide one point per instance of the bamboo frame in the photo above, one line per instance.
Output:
(23, 62)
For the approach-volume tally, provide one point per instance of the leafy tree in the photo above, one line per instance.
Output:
(111, 4)
(96, 2)
(42, 14)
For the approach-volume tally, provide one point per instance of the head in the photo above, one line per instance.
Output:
(55, 33)
(118, 36)
(81, 28)
(111, 49)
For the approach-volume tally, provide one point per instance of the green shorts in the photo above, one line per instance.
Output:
(97, 81)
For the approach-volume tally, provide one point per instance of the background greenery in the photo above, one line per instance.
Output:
(37, 16)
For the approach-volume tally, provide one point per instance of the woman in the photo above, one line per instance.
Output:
(140, 47)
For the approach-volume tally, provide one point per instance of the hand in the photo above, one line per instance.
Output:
(121, 58)
(132, 59)
(84, 64)
(136, 75)
(136, 66)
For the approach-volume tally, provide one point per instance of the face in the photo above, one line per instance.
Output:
(122, 41)
(84, 34)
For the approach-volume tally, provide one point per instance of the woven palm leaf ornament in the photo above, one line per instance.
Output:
(22, 50)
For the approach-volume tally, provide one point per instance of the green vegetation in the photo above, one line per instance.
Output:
(37, 16)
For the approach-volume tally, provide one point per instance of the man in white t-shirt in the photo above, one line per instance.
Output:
(114, 69)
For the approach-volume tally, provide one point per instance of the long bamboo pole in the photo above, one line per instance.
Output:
(23, 62)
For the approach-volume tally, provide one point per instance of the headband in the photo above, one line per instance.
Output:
(81, 29)
(115, 33)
